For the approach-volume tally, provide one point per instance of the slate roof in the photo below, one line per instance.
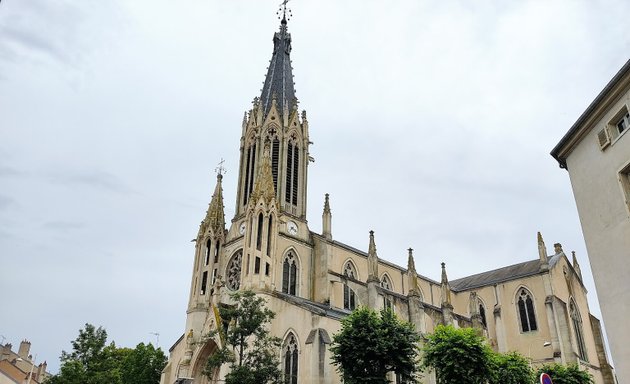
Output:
(279, 80)
(511, 272)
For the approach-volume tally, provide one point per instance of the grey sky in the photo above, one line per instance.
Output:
(431, 121)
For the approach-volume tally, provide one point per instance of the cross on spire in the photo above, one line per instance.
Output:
(284, 9)
(220, 169)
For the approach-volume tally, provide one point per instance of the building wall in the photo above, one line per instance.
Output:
(605, 219)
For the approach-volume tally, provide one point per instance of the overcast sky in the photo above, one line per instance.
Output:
(431, 121)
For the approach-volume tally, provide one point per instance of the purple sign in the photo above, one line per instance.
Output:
(545, 379)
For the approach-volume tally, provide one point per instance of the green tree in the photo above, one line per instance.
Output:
(510, 368)
(566, 374)
(250, 351)
(457, 356)
(369, 345)
(93, 361)
(142, 365)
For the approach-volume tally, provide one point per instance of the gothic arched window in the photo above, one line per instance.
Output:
(259, 232)
(386, 282)
(250, 169)
(482, 313)
(233, 273)
(208, 246)
(289, 274)
(269, 233)
(293, 166)
(576, 319)
(349, 297)
(275, 158)
(526, 313)
(290, 357)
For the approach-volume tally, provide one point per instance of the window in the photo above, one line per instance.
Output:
(250, 161)
(275, 156)
(208, 246)
(349, 297)
(269, 232)
(257, 265)
(619, 124)
(526, 311)
(233, 272)
(576, 319)
(217, 248)
(624, 177)
(260, 231)
(214, 276)
(290, 356)
(386, 283)
(293, 163)
(482, 313)
(622, 124)
(204, 282)
(289, 274)
(267, 268)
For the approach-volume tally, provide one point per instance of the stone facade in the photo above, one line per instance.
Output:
(312, 281)
(596, 152)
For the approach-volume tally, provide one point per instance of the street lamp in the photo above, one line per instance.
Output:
(32, 362)
(529, 350)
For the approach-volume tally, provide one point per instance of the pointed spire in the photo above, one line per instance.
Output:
(576, 265)
(279, 79)
(327, 220)
(264, 179)
(372, 260)
(412, 275)
(446, 289)
(542, 253)
(215, 216)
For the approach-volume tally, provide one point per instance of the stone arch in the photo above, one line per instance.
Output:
(291, 271)
(525, 309)
(199, 359)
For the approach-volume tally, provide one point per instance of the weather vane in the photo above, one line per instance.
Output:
(220, 169)
(283, 9)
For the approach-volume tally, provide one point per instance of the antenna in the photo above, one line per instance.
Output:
(157, 338)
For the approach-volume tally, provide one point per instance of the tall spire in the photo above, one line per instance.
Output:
(327, 219)
(279, 81)
(215, 216)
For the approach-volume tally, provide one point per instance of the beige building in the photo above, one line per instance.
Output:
(311, 281)
(19, 367)
(596, 152)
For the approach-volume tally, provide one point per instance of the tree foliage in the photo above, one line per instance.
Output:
(510, 368)
(93, 361)
(250, 351)
(566, 374)
(369, 345)
(457, 356)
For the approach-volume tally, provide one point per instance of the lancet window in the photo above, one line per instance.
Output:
(526, 312)
(259, 232)
(349, 297)
(292, 171)
(290, 357)
(269, 233)
(289, 274)
(250, 169)
(576, 319)
(482, 313)
(233, 272)
(386, 282)
(208, 247)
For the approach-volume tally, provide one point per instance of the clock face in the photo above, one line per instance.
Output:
(292, 227)
(241, 228)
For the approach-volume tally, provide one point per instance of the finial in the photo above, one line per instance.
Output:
(557, 247)
(220, 169)
(444, 277)
(284, 10)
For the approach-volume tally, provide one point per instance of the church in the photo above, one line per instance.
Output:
(312, 281)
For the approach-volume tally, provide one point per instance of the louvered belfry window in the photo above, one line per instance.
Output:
(275, 158)
(526, 311)
(293, 166)
(250, 169)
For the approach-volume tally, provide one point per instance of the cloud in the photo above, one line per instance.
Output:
(6, 202)
(94, 179)
(63, 226)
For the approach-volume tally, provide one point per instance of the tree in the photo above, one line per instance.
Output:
(93, 361)
(249, 349)
(457, 356)
(510, 368)
(566, 374)
(369, 345)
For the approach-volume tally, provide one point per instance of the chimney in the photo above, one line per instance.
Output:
(25, 347)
